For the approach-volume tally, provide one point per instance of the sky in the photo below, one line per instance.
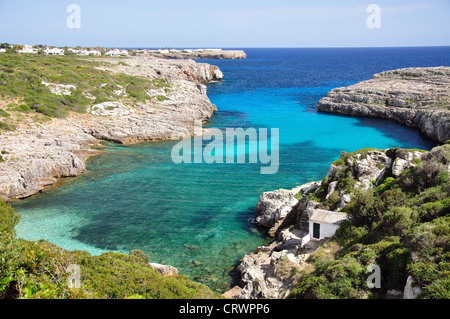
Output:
(225, 24)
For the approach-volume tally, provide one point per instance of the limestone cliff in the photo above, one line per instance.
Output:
(418, 97)
(36, 155)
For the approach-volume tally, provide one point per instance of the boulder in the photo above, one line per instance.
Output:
(166, 270)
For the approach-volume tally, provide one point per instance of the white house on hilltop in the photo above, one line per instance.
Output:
(89, 52)
(84, 52)
(54, 51)
(2, 50)
(28, 49)
(117, 52)
(74, 50)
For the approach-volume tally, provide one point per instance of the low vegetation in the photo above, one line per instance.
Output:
(402, 225)
(29, 82)
(32, 270)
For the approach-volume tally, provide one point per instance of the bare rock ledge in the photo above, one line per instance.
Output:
(38, 155)
(417, 97)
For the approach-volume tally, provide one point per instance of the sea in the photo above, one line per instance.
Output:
(199, 217)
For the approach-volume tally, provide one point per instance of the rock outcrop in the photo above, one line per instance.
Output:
(270, 271)
(166, 270)
(37, 156)
(418, 97)
(273, 207)
(216, 54)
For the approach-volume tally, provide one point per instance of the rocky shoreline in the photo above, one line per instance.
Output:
(37, 155)
(272, 271)
(219, 54)
(417, 97)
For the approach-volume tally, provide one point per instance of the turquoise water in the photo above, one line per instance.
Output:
(199, 217)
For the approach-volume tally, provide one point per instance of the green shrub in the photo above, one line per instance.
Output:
(6, 127)
(38, 270)
(8, 218)
(21, 78)
(139, 253)
(403, 226)
(388, 183)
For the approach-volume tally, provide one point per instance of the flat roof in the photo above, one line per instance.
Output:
(327, 217)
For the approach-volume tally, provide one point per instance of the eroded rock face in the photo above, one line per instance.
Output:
(274, 206)
(270, 271)
(184, 103)
(222, 54)
(370, 167)
(166, 270)
(418, 97)
(173, 70)
(401, 163)
(36, 158)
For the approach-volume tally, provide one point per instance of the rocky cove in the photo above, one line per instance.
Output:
(36, 155)
(271, 271)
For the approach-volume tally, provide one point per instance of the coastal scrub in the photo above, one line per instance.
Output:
(402, 225)
(32, 270)
(57, 85)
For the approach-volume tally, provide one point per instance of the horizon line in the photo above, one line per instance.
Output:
(247, 47)
(293, 47)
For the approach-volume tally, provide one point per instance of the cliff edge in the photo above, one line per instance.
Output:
(417, 97)
(126, 100)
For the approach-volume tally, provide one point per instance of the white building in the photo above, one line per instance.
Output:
(74, 50)
(89, 52)
(117, 52)
(324, 223)
(163, 51)
(54, 51)
(28, 49)
(2, 50)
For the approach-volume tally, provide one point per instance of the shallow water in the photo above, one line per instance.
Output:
(199, 217)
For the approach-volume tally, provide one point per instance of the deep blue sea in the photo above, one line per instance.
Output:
(199, 217)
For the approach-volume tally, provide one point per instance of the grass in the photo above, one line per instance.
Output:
(21, 78)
